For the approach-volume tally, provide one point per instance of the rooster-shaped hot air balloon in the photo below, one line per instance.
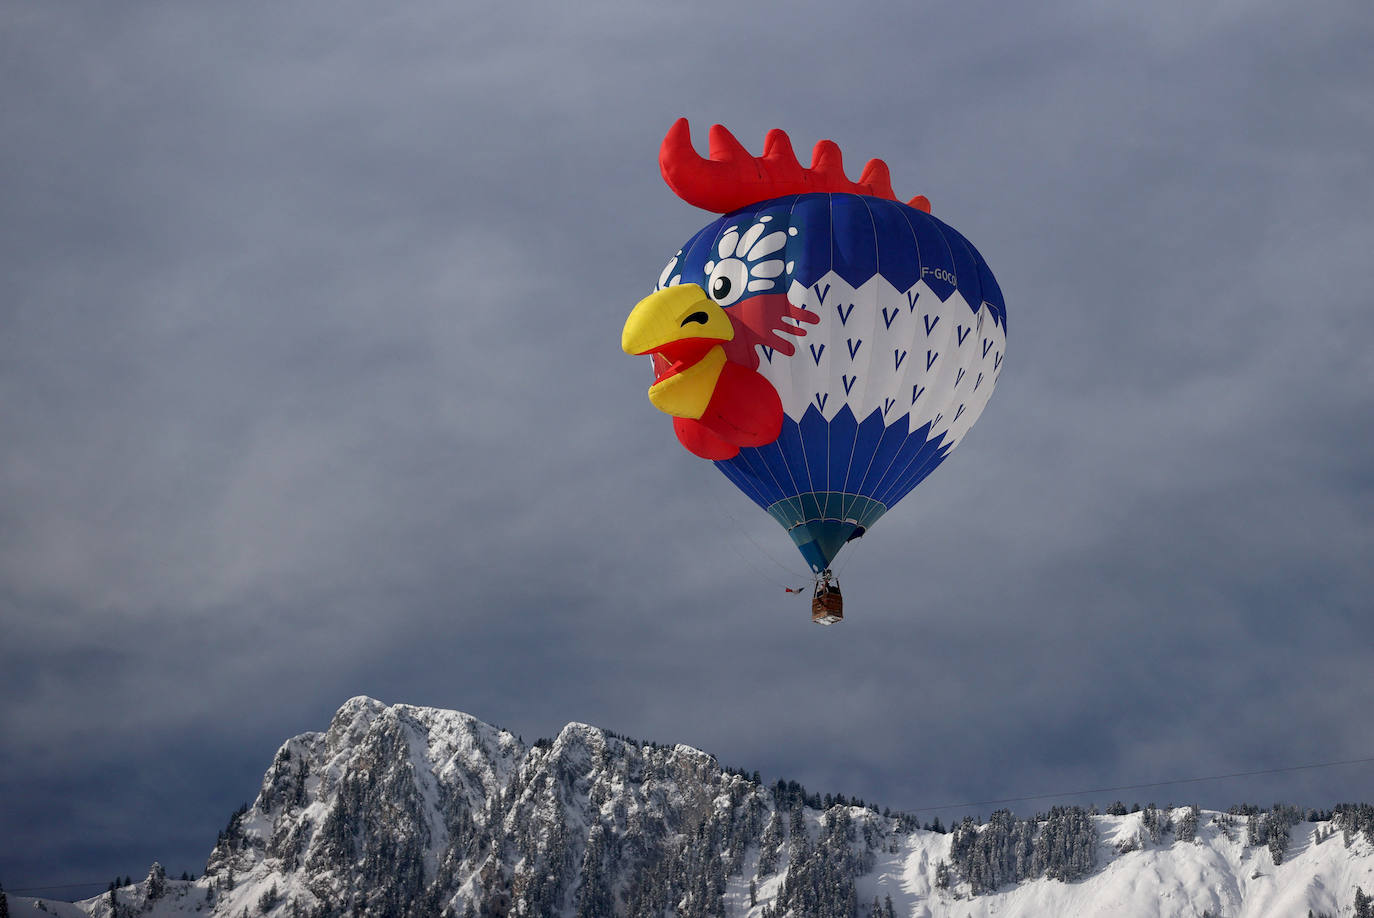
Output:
(826, 345)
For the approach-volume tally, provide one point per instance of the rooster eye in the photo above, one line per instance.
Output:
(728, 280)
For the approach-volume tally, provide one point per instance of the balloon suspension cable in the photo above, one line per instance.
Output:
(739, 526)
(841, 561)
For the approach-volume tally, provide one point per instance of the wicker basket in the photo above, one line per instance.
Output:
(827, 607)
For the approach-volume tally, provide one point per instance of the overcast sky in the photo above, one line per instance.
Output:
(310, 387)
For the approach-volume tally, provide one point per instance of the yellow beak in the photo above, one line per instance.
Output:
(683, 328)
(674, 314)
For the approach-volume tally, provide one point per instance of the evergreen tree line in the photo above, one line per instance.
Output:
(1354, 818)
(1060, 844)
(1270, 829)
(819, 882)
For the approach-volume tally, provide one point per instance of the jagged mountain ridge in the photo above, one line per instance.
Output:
(402, 810)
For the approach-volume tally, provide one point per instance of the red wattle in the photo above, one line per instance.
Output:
(744, 410)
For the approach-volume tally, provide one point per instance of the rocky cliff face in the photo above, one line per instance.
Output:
(409, 811)
(416, 811)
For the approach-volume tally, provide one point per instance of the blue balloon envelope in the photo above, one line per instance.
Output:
(880, 329)
(908, 347)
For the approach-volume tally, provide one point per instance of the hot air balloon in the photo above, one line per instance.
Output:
(826, 345)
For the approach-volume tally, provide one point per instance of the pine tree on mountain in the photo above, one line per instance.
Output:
(1364, 906)
(798, 822)
(1187, 825)
(155, 886)
(1153, 823)
(269, 899)
(594, 896)
(4, 903)
(1254, 830)
(769, 845)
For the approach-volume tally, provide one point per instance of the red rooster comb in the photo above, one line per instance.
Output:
(732, 179)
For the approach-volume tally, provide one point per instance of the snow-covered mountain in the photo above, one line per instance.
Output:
(411, 811)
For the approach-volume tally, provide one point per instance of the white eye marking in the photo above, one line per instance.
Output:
(744, 265)
(749, 239)
(728, 243)
(727, 281)
(767, 268)
(767, 245)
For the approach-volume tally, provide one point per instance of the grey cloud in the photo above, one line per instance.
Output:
(310, 386)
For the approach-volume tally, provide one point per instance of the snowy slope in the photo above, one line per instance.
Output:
(26, 907)
(1171, 879)
(402, 810)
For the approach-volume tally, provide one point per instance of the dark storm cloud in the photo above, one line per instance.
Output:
(310, 387)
